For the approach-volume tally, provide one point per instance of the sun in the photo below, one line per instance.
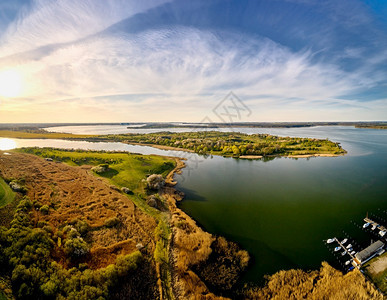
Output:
(10, 83)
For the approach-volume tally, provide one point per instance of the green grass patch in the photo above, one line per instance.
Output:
(2, 296)
(379, 279)
(125, 169)
(6, 194)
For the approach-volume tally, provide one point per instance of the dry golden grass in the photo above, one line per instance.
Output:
(327, 283)
(75, 193)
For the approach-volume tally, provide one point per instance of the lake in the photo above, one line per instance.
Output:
(280, 210)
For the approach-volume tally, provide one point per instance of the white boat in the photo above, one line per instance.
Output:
(373, 227)
(353, 252)
(344, 241)
(382, 233)
(337, 249)
(330, 241)
(349, 246)
(366, 225)
(343, 253)
(350, 250)
(347, 262)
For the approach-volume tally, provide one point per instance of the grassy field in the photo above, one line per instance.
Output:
(6, 194)
(378, 276)
(127, 170)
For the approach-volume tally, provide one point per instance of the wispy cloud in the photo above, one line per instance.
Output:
(48, 22)
(69, 62)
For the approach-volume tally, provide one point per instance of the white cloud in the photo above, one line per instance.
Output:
(48, 22)
(173, 73)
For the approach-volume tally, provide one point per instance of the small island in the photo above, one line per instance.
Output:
(227, 144)
(235, 144)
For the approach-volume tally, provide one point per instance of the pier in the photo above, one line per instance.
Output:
(373, 223)
(344, 248)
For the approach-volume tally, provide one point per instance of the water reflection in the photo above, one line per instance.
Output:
(7, 144)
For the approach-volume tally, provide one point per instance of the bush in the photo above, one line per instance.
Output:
(102, 168)
(76, 247)
(155, 181)
(44, 209)
(112, 222)
(126, 190)
(81, 226)
(127, 263)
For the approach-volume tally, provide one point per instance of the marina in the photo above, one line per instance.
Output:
(359, 258)
(382, 229)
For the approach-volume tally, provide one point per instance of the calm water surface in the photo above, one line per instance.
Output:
(280, 210)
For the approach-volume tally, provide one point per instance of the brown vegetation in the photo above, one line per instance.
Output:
(74, 193)
(327, 283)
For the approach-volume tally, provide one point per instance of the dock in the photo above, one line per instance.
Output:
(373, 223)
(344, 248)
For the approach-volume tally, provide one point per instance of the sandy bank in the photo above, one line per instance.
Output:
(313, 155)
(250, 156)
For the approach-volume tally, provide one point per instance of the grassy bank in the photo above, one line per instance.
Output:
(6, 194)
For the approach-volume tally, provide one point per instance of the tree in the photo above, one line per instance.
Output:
(76, 247)
(155, 181)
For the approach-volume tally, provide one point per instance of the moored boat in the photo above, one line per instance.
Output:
(337, 248)
(330, 241)
(366, 225)
(344, 241)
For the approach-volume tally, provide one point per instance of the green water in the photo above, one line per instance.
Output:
(282, 210)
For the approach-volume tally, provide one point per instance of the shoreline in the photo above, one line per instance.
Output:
(190, 246)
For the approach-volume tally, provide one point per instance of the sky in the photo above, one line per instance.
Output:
(159, 60)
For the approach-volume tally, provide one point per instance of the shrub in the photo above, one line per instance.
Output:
(127, 263)
(44, 209)
(126, 190)
(102, 168)
(76, 247)
(155, 181)
(112, 222)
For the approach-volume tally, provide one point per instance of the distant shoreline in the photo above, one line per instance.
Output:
(193, 125)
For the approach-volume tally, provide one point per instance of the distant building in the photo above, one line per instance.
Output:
(368, 253)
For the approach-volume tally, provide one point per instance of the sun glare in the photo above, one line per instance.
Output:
(7, 144)
(10, 83)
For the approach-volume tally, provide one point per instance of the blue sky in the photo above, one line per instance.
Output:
(131, 61)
